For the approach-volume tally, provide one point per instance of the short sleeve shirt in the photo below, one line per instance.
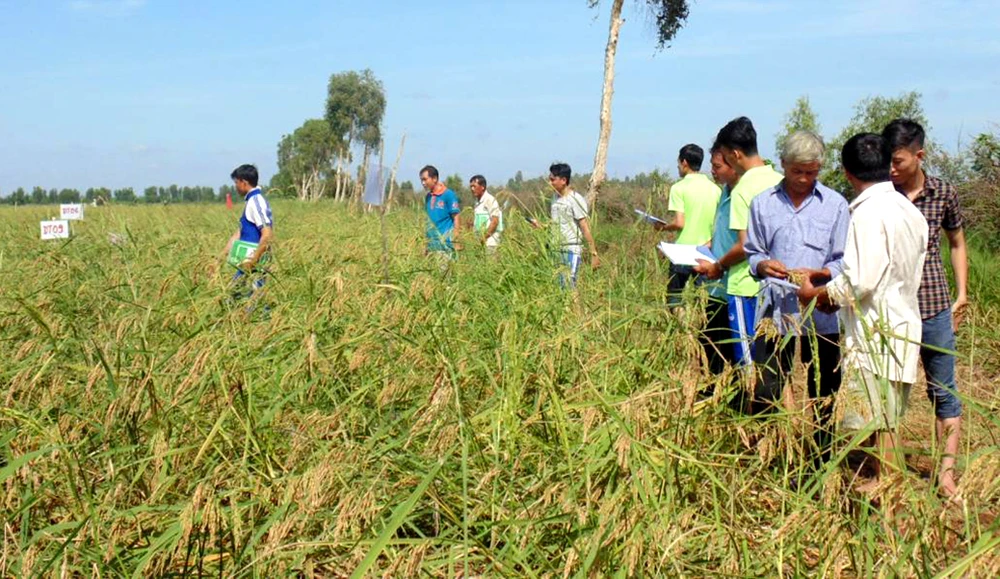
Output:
(938, 203)
(256, 216)
(486, 209)
(697, 198)
(441, 208)
(751, 184)
(567, 211)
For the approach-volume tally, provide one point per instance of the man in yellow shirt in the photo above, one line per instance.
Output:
(693, 201)
(738, 143)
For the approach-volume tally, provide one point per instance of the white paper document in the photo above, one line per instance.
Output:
(684, 254)
(648, 217)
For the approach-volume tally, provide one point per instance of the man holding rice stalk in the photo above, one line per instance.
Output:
(877, 293)
(250, 245)
(797, 228)
(570, 225)
(938, 202)
(443, 208)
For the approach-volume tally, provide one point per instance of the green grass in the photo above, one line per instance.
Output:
(477, 422)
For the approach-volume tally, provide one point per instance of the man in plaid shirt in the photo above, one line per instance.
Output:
(938, 201)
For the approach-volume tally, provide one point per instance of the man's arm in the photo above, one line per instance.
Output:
(229, 246)
(584, 223)
(735, 255)
(960, 265)
(266, 235)
(491, 228)
(676, 225)
(759, 258)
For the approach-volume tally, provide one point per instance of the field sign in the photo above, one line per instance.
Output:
(71, 211)
(56, 229)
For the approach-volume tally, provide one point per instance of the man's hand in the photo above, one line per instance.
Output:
(958, 310)
(595, 261)
(807, 292)
(814, 275)
(711, 270)
(659, 226)
(772, 268)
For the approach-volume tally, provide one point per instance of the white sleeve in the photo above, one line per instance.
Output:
(257, 212)
(494, 209)
(867, 257)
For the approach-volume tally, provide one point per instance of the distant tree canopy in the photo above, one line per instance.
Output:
(306, 159)
(800, 118)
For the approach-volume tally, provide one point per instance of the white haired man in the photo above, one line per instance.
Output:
(799, 224)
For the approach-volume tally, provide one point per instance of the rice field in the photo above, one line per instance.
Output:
(470, 422)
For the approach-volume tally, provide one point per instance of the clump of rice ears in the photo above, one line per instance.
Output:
(476, 421)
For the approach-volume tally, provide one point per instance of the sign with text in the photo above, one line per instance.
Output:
(71, 211)
(56, 229)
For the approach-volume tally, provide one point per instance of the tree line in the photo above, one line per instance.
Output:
(101, 195)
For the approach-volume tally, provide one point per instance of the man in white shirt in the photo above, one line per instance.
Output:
(487, 215)
(877, 291)
(570, 225)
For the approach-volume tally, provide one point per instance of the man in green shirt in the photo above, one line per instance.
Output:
(738, 143)
(693, 201)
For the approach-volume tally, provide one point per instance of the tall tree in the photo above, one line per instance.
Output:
(355, 105)
(800, 118)
(306, 158)
(669, 17)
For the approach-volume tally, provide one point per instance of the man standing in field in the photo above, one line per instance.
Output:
(570, 224)
(256, 227)
(488, 218)
(693, 201)
(717, 337)
(442, 206)
(938, 202)
(800, 224)
(877, 293)
(738, 143)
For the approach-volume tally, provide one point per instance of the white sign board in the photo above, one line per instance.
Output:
(57, 229)
(71, 211)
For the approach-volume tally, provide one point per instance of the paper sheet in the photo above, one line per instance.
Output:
(684, 254)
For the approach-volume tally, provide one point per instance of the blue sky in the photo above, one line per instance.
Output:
(152, 92)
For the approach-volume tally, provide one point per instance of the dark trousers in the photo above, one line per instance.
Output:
(716, 336)
(774, 365)
(679, 276)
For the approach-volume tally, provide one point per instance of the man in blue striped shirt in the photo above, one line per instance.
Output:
(256, 226)
(799, 224)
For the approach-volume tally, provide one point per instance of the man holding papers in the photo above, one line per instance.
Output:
(799, 224)
(738, 143)
(692, 200)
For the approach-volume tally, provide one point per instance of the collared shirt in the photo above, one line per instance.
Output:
(939, 204)
(723, 238)
(752, 183)
(697, 198)
(441, 208)
(567, 211)
(486, 209)
(877, 290)
(256, 216)
(811, 235)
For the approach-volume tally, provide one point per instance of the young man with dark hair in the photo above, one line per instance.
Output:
(256, 227)
(877, 293)
(717, 335)
(692, 200)
(487, 216)
(571, 224)
(938, 202)
(738, 143)
(442, 206)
